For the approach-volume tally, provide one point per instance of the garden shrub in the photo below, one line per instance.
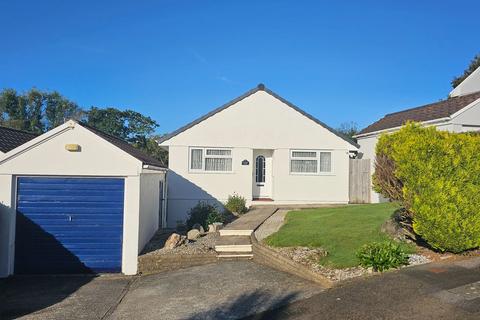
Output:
(382, 256)
(213, 217)
(439, 174)
(202, 213)
(236, 204)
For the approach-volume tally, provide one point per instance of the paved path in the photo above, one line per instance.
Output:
(433, 291)
(252, 219)
(271, 225)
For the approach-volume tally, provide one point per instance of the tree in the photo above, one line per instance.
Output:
(35, 103)
(59, 109)
(13, 114)
(348, 129)
(151, 147)
(128, 125)
(22, 111)
(39, 111)
(474, 65)
(36, 111)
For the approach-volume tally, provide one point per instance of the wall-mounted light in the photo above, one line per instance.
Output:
(73, 147)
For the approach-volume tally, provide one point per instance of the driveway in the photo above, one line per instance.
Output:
(231, 290)
(433, 291)
(226, 290)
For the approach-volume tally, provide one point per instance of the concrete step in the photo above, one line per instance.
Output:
(234, 248)
(234, 232)
(235, 255)
(233, 244)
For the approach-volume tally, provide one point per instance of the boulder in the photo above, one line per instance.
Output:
(199, 227)
(193, 234)
(214, 227)
(393, 228)
(174, 241)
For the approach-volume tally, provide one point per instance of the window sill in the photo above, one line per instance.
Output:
(211, 172)
(313, 174)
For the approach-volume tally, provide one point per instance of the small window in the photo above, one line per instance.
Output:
(210, 159)
(310, 162)
(196, 159)
(325, 162)
(260, 169)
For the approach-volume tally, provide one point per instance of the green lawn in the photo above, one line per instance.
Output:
(339, 230)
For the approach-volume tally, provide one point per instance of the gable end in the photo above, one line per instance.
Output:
(260, 87)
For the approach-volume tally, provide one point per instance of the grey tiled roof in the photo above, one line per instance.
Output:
(11, 138)
(432, 111)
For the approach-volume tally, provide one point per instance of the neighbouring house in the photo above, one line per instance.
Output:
(74, 200)
(11, 138)
(259, 146)
(459, 113)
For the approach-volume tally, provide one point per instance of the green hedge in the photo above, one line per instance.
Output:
(440, 178)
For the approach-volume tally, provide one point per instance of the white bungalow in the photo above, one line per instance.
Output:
(261, 147)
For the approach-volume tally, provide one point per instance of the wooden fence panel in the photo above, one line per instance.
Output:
(360, 181)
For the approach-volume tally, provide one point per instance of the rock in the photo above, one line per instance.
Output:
(199, 227)
(193, 234)
(174, 241)
(214, 227)
(393, 228)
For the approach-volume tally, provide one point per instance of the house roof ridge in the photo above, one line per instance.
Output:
(259, 87)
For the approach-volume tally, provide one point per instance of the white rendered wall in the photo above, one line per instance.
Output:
(258, 122)
(186, 189)
(299, 188)
(149, 206)
(469, 85)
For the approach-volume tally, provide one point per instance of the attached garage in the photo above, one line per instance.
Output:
(77, 201)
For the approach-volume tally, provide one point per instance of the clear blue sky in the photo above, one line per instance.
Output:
(176, 60)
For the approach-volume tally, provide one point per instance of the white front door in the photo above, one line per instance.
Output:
(262, 174)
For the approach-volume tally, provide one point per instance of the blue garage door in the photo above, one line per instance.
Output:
(69, 225)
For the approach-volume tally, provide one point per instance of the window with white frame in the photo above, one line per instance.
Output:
(210, 159)
(310, 162)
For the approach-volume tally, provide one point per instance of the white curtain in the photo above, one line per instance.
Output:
(325, 162)
(196, 160)
(218, 164)
(304, 166)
